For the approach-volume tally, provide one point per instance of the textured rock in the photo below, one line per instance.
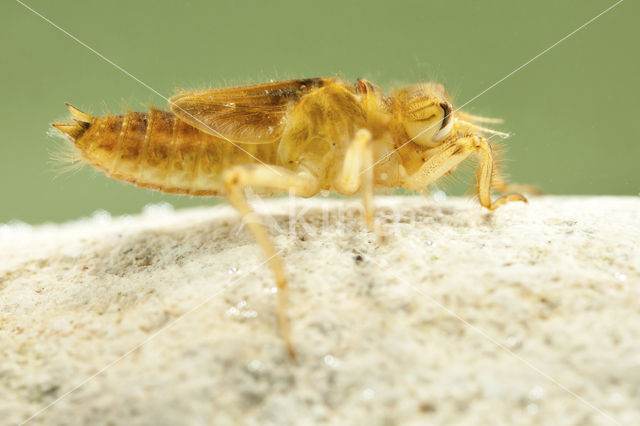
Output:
(527, 315)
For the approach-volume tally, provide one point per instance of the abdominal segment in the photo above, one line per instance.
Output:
(157, 150)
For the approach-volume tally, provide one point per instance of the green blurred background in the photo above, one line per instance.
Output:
(573, 111)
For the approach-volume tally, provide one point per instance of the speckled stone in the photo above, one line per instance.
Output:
(527, 315)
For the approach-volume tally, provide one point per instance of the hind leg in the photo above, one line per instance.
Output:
(302, 183)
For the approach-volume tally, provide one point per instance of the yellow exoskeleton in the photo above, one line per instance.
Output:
(298, 136)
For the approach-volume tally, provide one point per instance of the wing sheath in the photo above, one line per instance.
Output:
(252, 114)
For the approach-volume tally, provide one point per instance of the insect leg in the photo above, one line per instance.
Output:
(302, 183)
(357, 173)
(453, 153)
(485, 175)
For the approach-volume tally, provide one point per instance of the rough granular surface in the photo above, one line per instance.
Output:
(526, 315)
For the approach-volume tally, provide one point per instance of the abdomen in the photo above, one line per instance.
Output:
(157, 150)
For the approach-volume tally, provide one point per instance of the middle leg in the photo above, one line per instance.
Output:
(357, 173)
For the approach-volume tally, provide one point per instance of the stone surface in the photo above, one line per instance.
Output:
(527, 315)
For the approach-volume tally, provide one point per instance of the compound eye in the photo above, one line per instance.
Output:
(446, 107)
(447, 122)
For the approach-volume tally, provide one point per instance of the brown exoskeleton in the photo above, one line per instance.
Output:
(302, 136)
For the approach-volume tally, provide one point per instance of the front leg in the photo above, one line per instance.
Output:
(448, 156)
(301, 183)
